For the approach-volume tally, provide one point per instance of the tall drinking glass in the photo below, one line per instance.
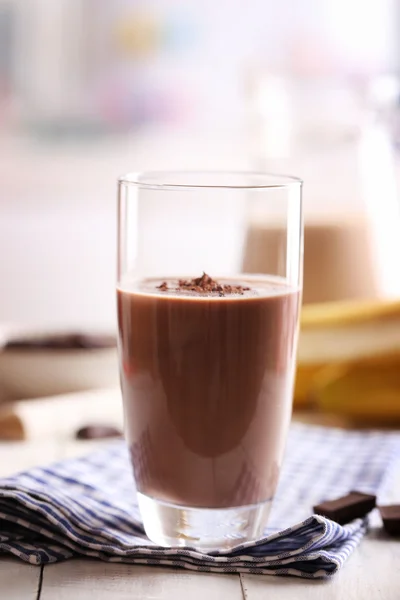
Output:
(207, 351)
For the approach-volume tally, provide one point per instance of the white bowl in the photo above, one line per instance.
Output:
(37, 372)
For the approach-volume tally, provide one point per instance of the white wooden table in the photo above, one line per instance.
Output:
(372, 572)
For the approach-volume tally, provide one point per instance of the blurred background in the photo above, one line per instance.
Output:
(90, 89)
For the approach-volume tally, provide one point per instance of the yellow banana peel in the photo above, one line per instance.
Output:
(348, 312)
(349, 359)
(366, 392)
(305, 376)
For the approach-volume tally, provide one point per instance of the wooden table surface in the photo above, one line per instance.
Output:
(372, 572)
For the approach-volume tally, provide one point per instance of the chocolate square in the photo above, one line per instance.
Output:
(391, 518)
(354, 505)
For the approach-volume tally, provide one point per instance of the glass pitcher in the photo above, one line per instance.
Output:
(326, 132)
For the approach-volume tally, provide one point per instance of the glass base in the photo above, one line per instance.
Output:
(206, 529)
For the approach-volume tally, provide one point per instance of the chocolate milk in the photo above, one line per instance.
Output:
(338, 258)
(207, 386)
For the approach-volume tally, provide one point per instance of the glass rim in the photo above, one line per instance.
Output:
(163, 180)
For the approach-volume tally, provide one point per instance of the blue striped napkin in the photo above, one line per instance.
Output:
(87, 507)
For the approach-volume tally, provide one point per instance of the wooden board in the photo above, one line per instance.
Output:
(84, 580)
(372, 572)
(18, 581)
(18, 456)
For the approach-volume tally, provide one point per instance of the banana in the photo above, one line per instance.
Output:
(350, 349)
(305, 376)
(368, 391)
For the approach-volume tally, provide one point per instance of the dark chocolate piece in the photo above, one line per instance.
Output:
(391, 518)
(347, 508)
(97, 432)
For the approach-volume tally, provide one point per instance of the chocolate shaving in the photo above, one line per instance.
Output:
(205, 285)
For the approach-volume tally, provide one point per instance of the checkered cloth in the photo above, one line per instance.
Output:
(87, 507)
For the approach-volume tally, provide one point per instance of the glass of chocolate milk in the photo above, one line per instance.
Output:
(207, 351)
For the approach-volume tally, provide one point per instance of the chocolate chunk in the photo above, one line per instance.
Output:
(97, 432)
(343, 510)
(391, 518)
